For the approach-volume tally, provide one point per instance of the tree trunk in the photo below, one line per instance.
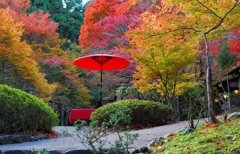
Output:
(238, 83)
(175, 106)
(229, 98)
(62, 114)
(209, 81)
(53, 104)
(190, 114)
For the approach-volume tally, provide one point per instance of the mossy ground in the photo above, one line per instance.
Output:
(208, 139)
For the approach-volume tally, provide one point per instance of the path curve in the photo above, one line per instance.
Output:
(70, 143)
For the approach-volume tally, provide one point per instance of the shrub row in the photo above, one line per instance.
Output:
(22, 112)
(143, 113)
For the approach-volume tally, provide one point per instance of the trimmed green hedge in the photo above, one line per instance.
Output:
(143, 113)
(22, 112)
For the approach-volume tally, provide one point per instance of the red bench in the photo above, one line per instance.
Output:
(80, 114)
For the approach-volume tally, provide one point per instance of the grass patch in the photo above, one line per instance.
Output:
(218, 138)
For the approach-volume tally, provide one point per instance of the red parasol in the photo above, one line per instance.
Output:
(101, 62)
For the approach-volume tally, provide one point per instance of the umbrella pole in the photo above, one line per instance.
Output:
(101, 82)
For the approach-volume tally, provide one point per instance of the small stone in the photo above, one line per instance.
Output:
(136, 151)
(21, 138)
(183, 130)
(152, 143)
(14, 138)
(156, 141)
(6, 139)
(34, 138)
(42, 137)
(144, 149)
(168, 135)
(55, 152)
(17, 152)
(189, 130)
(78, 152)
(234, 115)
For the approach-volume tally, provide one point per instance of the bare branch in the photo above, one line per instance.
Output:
(221, 21)
(167, 32)
(191, 28)
(160, 74)
(148, 65)
(201, 31)
(209, 9)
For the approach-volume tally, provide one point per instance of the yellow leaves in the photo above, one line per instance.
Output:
(161, 69)
(204, 14)
(163, 55)
(19, 53)
(10, 31)
(166, 43)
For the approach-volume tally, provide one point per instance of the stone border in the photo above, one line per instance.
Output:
(51, 152)
(18, 138)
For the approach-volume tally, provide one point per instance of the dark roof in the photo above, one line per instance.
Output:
(235, 71)
(233, 80)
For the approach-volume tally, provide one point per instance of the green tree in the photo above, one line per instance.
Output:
(193, 102)
(225, 61)
(69, 15)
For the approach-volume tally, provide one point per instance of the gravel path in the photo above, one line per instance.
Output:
(71, 143)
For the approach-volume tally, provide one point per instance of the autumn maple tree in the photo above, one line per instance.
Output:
(106, 21)
(40, 59)
(233, 40)
(163, 64)
(34, 23)
(213, 17)
(17, 53)
(103, 31)
(68, 14)
(196, 21)
(165, 71)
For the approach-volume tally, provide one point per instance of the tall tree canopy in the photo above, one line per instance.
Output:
(34, 60)
(106, 21)
(199, 20)
(225, 59)
(39, 32)
(165, 69)
(16, 55)
(68, 14)
(36, 24)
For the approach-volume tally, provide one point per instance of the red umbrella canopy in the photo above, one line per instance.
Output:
(101, 62)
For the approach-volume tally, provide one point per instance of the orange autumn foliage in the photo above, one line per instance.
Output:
(18, 53)
(37, 23)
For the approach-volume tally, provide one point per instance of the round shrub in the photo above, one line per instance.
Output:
(22, 112)
(143, 113)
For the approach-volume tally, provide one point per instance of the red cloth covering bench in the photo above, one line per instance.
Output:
(80, 114)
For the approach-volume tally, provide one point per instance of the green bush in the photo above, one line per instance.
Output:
(143, 113)
(22, 112)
